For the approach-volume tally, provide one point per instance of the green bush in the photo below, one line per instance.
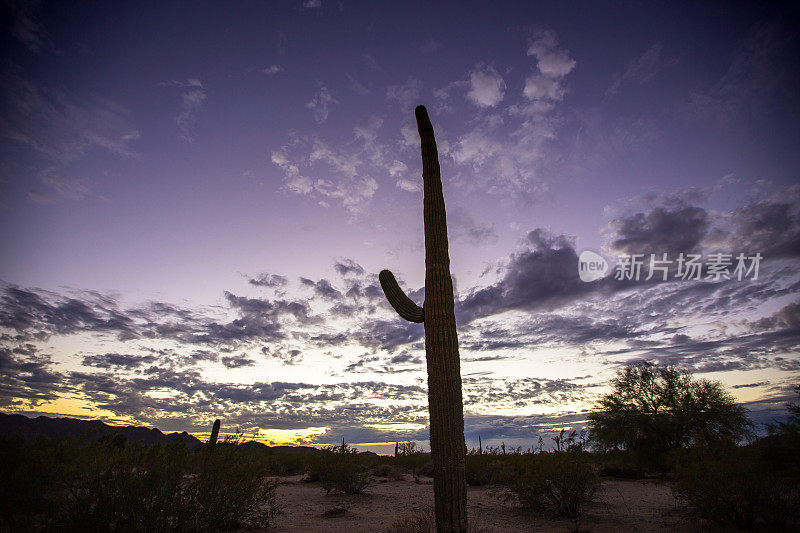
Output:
(556, 484)
(733, 485)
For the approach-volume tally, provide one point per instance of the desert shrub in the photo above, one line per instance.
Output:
(388, 470)
(229, 488)
(480, 469)
(424, 468)
(618, 464)
(413, 463)
(555, 484)
(32, 475)
(734, 485)
(346, 474)
(111, 485)
(339, 468)
(288, 464)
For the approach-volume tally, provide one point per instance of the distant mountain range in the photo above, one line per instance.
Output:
(20, 426)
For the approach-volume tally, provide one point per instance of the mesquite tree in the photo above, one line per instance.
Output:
(448, 448)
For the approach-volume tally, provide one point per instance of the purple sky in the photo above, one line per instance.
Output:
(195, 201)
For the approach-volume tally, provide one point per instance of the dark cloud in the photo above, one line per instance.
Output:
(348, 267)
(27, 377)
(268, 280)
(126, 361)
(388, 335)
(287, 357)
(34, 316)
(662, 230)
(465, 228)
(770, 228)
(237, 361)
(323, 289)
(544, 275)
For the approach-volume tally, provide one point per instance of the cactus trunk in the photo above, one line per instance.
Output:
(214, 433)
(448, 447)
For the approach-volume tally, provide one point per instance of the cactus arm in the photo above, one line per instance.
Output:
(401, 303)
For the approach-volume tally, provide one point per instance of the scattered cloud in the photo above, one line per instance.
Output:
(320, 103)
(406, 94)
(193, 96)
(61, 127)
(486, 86)
(552, 63)
(639, 71)
(272, 70)
(760, 76)
(268, 280)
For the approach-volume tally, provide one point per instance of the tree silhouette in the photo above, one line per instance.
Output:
(655, 409)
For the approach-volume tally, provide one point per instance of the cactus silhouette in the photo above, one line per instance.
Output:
(214, 433)
(445, 404)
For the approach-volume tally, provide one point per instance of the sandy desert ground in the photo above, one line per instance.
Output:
(622, 506)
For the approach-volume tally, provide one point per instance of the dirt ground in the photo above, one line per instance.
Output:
(621, 506)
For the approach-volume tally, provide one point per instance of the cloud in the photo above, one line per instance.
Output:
(465, 228)
(25, 25)
(676, 230)
(191, 102)
(760, 77)
(346, 167)
(268, 280)
(293, 180)
(542, 275)
(347, 266)
(320, 103)
(272, 70)
(771, 227)
(60, 187)
(61, 127)
(26, 377)
(237, 361)
(357, 86)
(639, 71)
(323, 289)
(552, 63)
(116, 360)
(486, 86)
(406, 94)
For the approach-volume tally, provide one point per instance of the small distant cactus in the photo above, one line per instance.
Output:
(448, 448)
(214, 433)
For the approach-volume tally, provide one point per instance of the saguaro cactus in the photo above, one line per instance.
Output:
(445, 404)
(214, 433)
